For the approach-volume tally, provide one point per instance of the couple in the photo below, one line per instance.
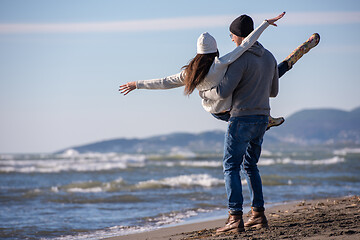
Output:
(236, 88)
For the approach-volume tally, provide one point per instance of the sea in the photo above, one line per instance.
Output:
(76, 195)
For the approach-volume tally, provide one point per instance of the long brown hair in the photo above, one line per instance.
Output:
(196, 70)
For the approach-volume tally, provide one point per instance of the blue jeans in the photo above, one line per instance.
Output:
(283, 68)
(225, 116)
(242, 150)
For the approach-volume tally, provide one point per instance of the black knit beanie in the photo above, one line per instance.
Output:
(242, 26)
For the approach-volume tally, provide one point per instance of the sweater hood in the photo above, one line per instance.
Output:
(257, 49)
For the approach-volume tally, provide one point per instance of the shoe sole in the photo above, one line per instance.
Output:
(234, 230)
(316, 40)
(312, 43)
(258, 226)
(275, 124)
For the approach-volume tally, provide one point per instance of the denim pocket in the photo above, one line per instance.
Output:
(244, 129)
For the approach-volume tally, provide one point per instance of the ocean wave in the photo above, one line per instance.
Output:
(181, 153)
(107, 233)
(83, 199)
(92, 187)
(86, 190)
(91, 162)
(329, 161)
(72, 162)
(203, 180)
(149, 224)
(346, 151)
(118, 185)
(185, 163)
(209, 164)
(173, 217)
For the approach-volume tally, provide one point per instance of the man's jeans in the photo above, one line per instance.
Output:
(242, 150)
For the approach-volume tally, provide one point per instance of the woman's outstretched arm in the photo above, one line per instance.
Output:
(169, 82)
(273, 20)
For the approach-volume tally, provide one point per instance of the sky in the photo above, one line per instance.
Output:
(62, 62)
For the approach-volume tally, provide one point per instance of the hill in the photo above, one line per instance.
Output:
(206, 142)
(305, 128)
(320, 126)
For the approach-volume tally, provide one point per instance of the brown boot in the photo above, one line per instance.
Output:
(257, 220)
(234, 224)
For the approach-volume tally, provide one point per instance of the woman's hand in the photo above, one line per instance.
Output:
(126, 88)
(273, 20)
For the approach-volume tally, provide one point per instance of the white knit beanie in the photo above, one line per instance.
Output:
(206, 44)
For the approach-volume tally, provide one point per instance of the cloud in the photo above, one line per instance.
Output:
(181, 23)
(118, 26)
(321, 18)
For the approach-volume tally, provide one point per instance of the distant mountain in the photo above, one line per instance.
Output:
(307, 127)
(320, 126)
(206, 142)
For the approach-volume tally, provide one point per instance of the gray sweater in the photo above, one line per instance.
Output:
(251, 80)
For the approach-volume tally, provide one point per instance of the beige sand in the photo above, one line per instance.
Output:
(331, 219)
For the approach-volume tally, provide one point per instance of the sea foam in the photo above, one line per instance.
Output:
(71, 161)
(328, 161)
(151, 223)
(346, 151)
(203, 180)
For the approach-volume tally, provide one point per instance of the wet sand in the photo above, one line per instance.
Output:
(331, 219)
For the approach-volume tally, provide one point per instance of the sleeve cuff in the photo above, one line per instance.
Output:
(139, 84)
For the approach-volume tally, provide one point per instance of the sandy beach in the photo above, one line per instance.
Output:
(332, 219)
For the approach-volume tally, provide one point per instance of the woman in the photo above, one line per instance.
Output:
(206, 70)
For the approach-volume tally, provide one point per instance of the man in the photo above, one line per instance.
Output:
(252, 79)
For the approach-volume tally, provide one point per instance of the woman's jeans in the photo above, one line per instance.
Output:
(242, 150)
(283, 67)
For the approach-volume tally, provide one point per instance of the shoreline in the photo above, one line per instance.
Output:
(330, 218)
